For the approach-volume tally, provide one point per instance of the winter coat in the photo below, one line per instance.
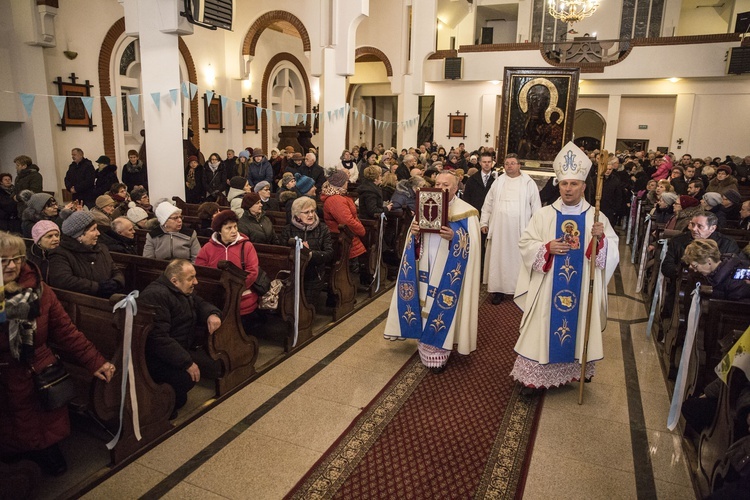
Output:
(24, 426)
(214, 251)
(29, 178)
(319, 241)
(197, 193)
(370, 200)
(262, 171)
(29, 217)
(271, 204)
(117, 243)
(612, 202)
(135, 175)
(474, 193)
(717, 186)
(214, 183)
(9, 220)
(677, 245)
(340, 209)
(316, 173)
(104, 179)
(725, 287)
(404, 197)
(663, 171)
(79, 268)
(101, 218)
(167, 246)
(258, 230)
(177, 315)
(351, 169)
(40, 258)
(81, 176)
(234, 197)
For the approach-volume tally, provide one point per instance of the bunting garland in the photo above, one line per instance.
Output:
(189, 90)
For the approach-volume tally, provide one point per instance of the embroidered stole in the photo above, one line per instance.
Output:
(566, 289)
(427, 302)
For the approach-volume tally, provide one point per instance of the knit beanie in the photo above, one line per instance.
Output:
(237, 182)
(724, 168)
(244, 154)
(37, 201)
(261, 185)
(194, 158)
(669, 198)
(688, 201)
(136, 214)
(286, 178)
(249, 200)
(41, 228)
(77, 223)
(734, 196)
(713, 199)
(338, 178)
(304, 183)
(104, 200)
(222, 218)
(164, 211)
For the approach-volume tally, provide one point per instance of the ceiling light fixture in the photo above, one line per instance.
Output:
(572, 11)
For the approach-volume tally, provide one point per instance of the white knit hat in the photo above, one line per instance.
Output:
(571, 163)
(164, 211)
(136, 214)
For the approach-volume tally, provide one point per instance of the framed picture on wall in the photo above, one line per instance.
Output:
(213, 114)
(74, 114)
(457, 125)
(537, 113)
(250, 115)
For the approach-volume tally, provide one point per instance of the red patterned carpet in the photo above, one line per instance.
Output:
(463, 433)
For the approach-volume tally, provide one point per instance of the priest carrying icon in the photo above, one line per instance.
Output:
(553, 286)
(437, 291)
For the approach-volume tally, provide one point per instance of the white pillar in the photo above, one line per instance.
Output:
(408, 108)
(158, 26)
(613, 122)
(683, 122)
(332, 98)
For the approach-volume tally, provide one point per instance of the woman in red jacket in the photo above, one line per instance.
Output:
(339, 209)
(227, 243)
(33, 315)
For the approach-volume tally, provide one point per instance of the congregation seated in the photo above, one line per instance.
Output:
(228, 243)
(27, 431)
(684, 208)
(254, 223)
(119, 237)
(103, 210)
(370, 194)
(703, 256)
(205, 214)
(46, 236)
(171, 353)
(663, 212)
(316, 237)
(80, 264)
(731, 200)
(170, 240)
(287, 190)
(119, 193)
(39, 206)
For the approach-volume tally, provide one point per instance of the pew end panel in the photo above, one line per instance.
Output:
(340, 279)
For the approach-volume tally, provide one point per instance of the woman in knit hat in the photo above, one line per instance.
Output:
(228, 243)
(263, 188)
(260, 168)
(254, 223)
(80, 264)
(664, 210)
(195, 191)
(103, 210)
(140, 218)
(685, 208)
(711, 202)
(731, 200)
(39, 206)
(46, 236)
(723, 181)
(287, 190)
(305, 186)
(170, 240)
(238, 186)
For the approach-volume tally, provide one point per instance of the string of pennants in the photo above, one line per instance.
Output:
(189, 91)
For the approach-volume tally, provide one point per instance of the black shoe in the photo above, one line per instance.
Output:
(497, 298)
(438, 369)
(587, 380)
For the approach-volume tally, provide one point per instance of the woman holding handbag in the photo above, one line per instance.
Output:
(32, 316)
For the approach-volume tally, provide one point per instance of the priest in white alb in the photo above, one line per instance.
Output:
(508, 207)
(553, 286)
(437, 290)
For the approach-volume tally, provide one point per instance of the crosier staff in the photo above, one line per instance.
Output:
(601, 166)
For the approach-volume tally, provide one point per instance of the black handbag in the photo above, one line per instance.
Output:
(262, 283)
(54, 386)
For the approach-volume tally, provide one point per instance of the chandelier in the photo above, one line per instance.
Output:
(572, 11)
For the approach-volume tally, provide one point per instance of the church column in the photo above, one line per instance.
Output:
(613, 122)
(408, 108)
(332, 99)
(683, 122)
(158, 25)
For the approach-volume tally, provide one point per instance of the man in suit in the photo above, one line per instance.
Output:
(477, 187)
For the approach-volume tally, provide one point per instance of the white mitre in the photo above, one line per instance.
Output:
(571, 163)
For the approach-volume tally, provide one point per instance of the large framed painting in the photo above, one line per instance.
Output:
(250, 115)
(538, 111)
(74, 113)
(213, 114)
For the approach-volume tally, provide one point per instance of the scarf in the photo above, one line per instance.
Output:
(347, 164)
(134, 169)
(298, 223)
(330, 190)
(191, 178)
(22, 309)
(10, 190)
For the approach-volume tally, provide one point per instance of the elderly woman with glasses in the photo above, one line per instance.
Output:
(170, 240)
(316, 237)
(34, 315)
(704, 257)
(39, 206)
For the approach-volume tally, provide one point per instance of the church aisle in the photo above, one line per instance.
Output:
(262, 440)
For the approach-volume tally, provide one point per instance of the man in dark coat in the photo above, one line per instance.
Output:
(179, 310)
(310, 168)
(404, 169)
(79, 179)
(479, 184)
(119, 237)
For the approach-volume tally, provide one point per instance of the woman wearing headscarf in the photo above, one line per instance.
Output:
(194, 189)
(34, 316)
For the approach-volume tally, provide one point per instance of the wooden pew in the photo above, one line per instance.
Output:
(674, 335)
(372, 243)
(340, 280)
(223, 287)
(93, 316)
(190, 208)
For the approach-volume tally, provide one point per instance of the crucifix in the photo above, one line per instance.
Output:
(487, 137)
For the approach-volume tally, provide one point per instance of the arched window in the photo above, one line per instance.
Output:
(287, 94)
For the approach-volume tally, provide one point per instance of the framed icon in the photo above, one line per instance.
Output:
(250, 115)
(74, 114)
(213, 114)
(457, 125)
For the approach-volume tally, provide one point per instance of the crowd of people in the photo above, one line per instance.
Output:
(502, 230)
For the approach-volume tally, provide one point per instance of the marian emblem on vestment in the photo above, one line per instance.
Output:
(565, 301)
(447, 299)
(406, 291)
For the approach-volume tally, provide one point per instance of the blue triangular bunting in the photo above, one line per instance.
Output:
(329, 116)
(156, 96)
(209, 96)
(112, 103)
(28, 102)
(258, 112)
(304, 119)
(173, 95)
(134, 99)
(224, 101)
(278, 116)
(238, 106)
(193, 90)
(184, 90)
(88, 103)
(59, 101)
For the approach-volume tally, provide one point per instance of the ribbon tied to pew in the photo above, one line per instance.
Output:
(658, 293)
(131, 309)
(376, 277)
(297, 252)
(687, 349)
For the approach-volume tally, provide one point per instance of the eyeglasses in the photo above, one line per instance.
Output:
(176, 217)
(17, 260)
(307, 212)
(51, 203)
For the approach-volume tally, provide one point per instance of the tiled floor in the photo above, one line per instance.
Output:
(615, 445)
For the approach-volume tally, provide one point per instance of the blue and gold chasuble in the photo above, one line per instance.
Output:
(427, 302)
(566, 289)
